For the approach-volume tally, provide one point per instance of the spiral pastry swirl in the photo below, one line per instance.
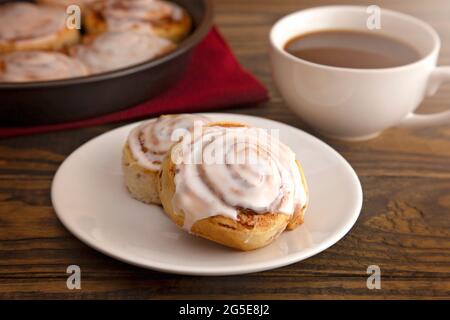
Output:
(22, 21)
(150, 141)
(144, 10)
(24, 66)
(229, 169)
(115, 50)
(137, 15)
(66, 3)
(25, 26)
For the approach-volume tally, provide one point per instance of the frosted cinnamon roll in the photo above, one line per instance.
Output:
(162, 18)
(66, 3)
(23, 66)
(146, 148)
(234, 185)
(25, 26)
(115, 50)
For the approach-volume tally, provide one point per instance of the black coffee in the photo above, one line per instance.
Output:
(352, 49)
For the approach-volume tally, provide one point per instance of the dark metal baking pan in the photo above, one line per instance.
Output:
(32, 103)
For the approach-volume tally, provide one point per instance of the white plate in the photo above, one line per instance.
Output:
(90, 199)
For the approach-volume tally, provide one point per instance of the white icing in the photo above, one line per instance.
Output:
(65, 3)
(137, 15)
(23, 66)
(150, 141)
(239, 167)
(26, 21)
(115, 50)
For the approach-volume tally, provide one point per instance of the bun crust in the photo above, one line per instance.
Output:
(141, 182)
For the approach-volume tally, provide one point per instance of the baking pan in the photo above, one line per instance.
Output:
(46, 102)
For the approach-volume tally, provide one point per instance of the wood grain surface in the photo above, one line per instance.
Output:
(404, 225)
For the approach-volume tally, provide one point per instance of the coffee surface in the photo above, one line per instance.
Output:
(352, 49)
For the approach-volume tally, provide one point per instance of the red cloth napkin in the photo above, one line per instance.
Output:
(213, 80)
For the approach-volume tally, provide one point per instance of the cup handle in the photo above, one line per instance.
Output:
(439, 76)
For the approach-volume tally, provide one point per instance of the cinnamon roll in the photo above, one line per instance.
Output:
(115, 50)
(162, 18)
(145, 149)
(25, 26)
(84, 5)
(234, 185)
(65, 3)
(22, 66)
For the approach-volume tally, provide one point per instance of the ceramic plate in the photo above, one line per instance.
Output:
(90, 199)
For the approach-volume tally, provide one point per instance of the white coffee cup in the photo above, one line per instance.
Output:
(357, 104)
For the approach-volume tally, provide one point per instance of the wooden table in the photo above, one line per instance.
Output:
(404, 225)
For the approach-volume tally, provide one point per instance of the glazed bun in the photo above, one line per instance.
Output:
(162, 18)
(114, 50)
(145, 150)
(234, 185)
(24, 66)
(25, 26)
(65, 3)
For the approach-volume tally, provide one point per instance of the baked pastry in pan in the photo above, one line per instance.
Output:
(246, 191)
(65, 3)
(114, 50)
(82, 4)
(162, 18)
(25, 26)
(23, 66)
(145, 149)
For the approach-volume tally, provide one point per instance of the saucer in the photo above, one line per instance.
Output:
(90, 199)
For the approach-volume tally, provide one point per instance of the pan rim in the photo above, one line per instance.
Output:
(187, 44)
